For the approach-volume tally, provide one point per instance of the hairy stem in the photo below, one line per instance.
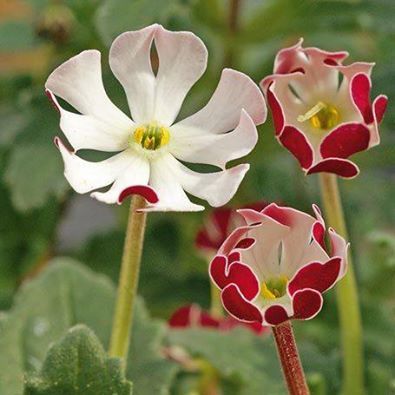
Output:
(347, 295)
(128, 281)
(289, 359)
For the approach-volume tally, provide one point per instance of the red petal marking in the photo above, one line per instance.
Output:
(275, 315)
(241, 275)
(318, 276)
(181, 317)
(192, 315)
(233, 257)
(277, 112)
(331, 62)
(306, 303)
(245, 243)
(295, 142)
(341, 167)
(346, 140)
(237, 273)
(360, 90)
(217, 271)
(207, 321)
(319, 234)
(379, 107)
(203, 240)
(143, 190)
(279, 214)
(257, 206)
(238, 306)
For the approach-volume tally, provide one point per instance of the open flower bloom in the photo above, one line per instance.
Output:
(277, 266)
(150, 145)
(322, 110)
(192, 316)
(218, 226)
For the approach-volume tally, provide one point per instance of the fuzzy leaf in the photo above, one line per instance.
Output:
(78, 365)
(64, 295)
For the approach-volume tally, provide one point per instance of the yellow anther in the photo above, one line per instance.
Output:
(322, 116)
(151, 136)
(274, 288)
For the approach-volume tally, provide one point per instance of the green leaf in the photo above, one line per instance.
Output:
(238, 355)
(34, 173)
(64, 295)
(78, 365)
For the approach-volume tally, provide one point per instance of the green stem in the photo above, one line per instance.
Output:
(128, 281)
(347, 295)
(289, 358)
(215, 301)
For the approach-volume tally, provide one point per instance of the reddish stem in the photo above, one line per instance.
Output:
(289, 358)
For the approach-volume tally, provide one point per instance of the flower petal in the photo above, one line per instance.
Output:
(85, 176)
(342, 167)
(196, 145)
(217, 188)
(182, 61)
(345, 140)
(307, 303)
(86, 131)
(235, 92)
(131, 63)
(316, 275)
(165, 180)
(360, 90)
(275, 315)
(135, 174)
(79, 82)
(238, 306)
(296, 142)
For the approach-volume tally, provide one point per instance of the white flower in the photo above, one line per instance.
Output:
(151, 145)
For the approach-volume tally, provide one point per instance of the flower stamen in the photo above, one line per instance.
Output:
(151, 136)
(322, 116)
(274, 288)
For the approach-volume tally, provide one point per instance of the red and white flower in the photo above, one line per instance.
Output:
(192, 315)
(322, 110)
(277, 266)
(151, 144)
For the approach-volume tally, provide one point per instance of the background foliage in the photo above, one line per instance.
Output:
(41, 218)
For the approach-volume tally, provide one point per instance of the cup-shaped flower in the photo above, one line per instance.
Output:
(322, 111)
(218, 225)
(151, 144)
(193, 316)
(277, 266)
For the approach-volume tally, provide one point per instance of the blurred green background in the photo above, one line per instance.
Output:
(41, 217)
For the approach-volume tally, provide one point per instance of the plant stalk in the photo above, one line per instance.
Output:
(347, 295)
(128, 281)
(289, 359)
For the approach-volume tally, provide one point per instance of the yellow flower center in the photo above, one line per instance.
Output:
(274, 288)
(150, 136)
(322, 116)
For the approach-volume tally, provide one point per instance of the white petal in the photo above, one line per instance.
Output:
(86, 131)
(136, 173)
(165, 181)
(182, 61)
(79, 82)
(85, 176)
(196, 145)
(217, 188)
(131, 63)
(235, 92)
(263, 256)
